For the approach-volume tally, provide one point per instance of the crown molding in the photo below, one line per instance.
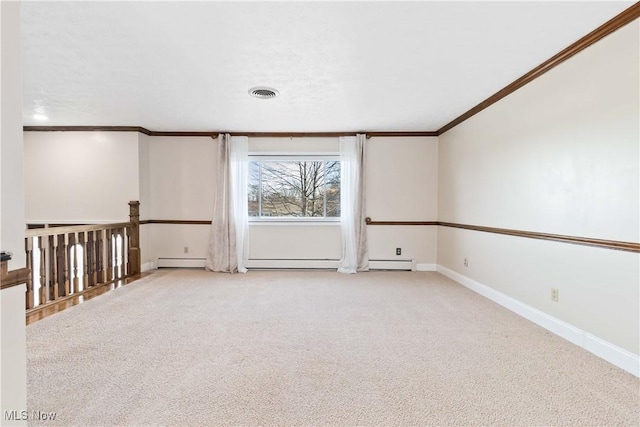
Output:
(627, 16)
(214, 134)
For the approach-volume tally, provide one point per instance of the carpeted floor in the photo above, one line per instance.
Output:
(192, 348)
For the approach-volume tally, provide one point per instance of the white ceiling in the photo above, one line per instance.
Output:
(339, 66)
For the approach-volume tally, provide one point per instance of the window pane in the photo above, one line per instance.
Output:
(294, 188)
(333, 189)
(253, 190)
(281, 193)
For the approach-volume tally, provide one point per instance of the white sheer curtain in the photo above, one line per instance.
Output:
(355, 253)
(229, 239)
(239, 171)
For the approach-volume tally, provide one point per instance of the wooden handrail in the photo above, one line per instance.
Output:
(52, 231)
(11, 278)
(576, 240)
(177, 221)
(67, 260)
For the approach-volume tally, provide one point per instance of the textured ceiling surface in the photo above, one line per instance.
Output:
(339, 66)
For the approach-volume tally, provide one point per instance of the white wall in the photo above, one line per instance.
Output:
(83, 177)
(144, 178)
(560, 155)
(13, 388)
(294, 145)
(144, 175)
(80, 177)
(181, 178)
(402, 185)
(402, 170)
(295, 241)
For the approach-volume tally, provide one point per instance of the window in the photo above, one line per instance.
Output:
(294, 187)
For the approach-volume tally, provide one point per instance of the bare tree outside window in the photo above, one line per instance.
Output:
(294, 188)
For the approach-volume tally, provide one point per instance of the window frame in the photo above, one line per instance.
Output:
(293, 157)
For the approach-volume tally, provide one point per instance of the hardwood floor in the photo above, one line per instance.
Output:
(40, 313)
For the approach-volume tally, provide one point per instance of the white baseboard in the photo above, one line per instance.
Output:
(148, 266)
(181, 262)
(611, 353)
(426, 267)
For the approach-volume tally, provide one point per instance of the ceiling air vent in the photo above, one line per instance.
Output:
(263, 92)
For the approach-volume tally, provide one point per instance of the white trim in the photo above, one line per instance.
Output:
(148, 266)
(611, 353)
(181, 262)
(426, 267)
(278, 220)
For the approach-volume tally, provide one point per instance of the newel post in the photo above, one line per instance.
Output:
(134, 238)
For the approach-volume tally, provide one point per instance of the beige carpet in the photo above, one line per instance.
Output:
(192, 348)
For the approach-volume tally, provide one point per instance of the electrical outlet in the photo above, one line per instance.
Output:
(398, 251)
(466, 262)
(554, 294)
(186, 249)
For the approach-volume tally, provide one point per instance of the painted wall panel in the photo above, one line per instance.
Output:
(144, 175)
(80, 177)
(181, 177)
(598, 288)
(300, 241)
(294, 145)
(416, 242)
(170, 240)
(561, 155)
(13, 368)
(12, 152)
(402, 179)
(402, 185)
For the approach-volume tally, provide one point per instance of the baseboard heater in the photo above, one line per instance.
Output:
(291, 264)
(392, 264)
(326, 264)
(180, 262)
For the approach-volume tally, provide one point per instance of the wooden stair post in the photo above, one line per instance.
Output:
(134, 239)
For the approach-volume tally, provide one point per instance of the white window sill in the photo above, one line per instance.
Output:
(287, 222)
